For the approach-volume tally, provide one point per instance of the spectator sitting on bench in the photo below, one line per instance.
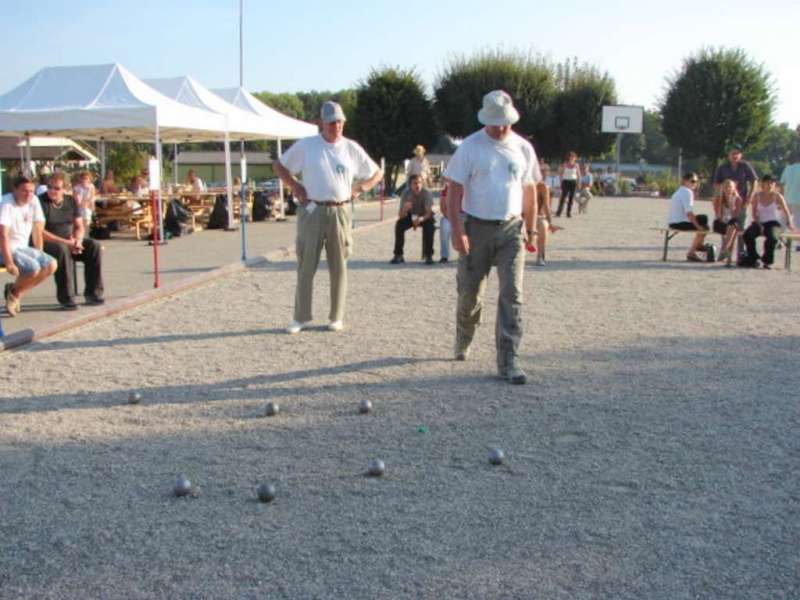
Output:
(64, 240)
(682, 217)
(766, 205)
(726, 216)
(416, 209)
(20, 219)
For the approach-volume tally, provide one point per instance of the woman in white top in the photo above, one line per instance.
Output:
(419, 165)
(570, 174)
(767, 203)
(726, 211)
(83, 191)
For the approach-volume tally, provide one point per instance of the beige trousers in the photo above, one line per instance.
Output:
(329, 227)
(499, 245)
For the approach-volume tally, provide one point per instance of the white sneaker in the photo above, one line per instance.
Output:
(335, 326)
(296, 327)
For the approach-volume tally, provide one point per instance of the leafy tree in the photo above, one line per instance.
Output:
(126, 160)
(651, 145)
(288, 104)
(718, 97)
(312, 102)
(527, 78)
(773, 152)
(583, 90)
(392, 115)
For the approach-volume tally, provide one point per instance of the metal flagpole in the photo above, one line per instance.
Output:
(175, 163)
(282, 216)
(229, 181)
(28, 161)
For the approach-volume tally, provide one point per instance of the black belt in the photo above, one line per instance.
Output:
(330, 202)
(491, 221)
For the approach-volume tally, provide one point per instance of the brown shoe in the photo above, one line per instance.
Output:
(12, 302)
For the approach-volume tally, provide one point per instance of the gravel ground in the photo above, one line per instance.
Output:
(654, 453)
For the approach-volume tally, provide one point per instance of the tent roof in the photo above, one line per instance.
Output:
(45, 148)
(286, 127)
(242, 125)
(101, 102)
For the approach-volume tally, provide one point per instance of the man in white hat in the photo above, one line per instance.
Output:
(334, 170)
(493, 177)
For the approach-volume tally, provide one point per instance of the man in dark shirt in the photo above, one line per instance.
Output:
(745, 177)
(740, 171)
(416, 210)
(63, 239)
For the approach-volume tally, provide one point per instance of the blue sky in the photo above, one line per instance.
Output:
(294, 46)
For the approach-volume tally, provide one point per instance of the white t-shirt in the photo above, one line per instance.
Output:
(19, 220)
(493, 174)
(328, 170)
(682, 202)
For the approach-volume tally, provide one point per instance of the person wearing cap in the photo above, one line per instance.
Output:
(492, 178)
(416, 210)
(334, 170)
(767, 204)
(419, 165)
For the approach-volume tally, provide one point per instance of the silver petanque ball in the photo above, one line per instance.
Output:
(183, 487)
(376, 468)
(134, 398)
(364, 407)
(496, 456)
(272, 409)
(266, 492)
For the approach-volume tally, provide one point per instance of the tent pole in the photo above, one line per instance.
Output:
(280, 185)
(229, 181)
(28, 161)
(102, 151)
(155, 197)
(243, 199)
(175, 164)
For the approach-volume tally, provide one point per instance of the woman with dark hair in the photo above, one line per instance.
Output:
(766, 205)
(569, 171)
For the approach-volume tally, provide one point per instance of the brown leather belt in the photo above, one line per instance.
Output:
(330, 202)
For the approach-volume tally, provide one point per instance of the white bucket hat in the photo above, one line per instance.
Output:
(331, 111)
(498, 109)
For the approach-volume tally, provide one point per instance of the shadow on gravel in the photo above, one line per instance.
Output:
(232, 389)
(144, 341)
(619, 265)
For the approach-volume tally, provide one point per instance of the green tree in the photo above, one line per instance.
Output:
(583, 90)
(126, 160)
(772, 154)
(651, 145)
(718, 97)
(287, 103)
(527, 78)
(392, 115)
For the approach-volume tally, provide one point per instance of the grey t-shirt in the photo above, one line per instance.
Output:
(419, 203)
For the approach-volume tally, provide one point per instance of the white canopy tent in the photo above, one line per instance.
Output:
(103, 102)
(284, 126)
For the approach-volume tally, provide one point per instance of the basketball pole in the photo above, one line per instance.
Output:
(619, 158)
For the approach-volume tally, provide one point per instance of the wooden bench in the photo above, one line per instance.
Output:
(138, 219)
(670, 233)
(787, 237)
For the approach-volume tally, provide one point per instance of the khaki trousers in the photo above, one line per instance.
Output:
(329, 227)
(500, 245)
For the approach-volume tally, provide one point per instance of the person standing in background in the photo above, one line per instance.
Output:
(569, 171)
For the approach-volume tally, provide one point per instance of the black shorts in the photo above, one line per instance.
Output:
(721, 227)
(687, 226)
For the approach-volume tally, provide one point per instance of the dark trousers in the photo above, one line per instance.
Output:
(91, 259)
(568, 187)
(770, 231)
(404, 225)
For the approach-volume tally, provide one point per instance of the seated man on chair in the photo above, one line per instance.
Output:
(682, 217)
(20, 219)
(416, 210)
(63, 239)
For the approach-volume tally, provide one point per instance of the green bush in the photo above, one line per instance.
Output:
(666, 184)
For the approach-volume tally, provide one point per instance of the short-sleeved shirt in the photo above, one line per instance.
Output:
(790, 180)
(418, 167)
(681, 204)
(742, 175)
(493, 174)
(328, 170)
(19, 220)
(420, 203)
(60, 220)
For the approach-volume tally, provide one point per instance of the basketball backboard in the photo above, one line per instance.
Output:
(623, 119)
